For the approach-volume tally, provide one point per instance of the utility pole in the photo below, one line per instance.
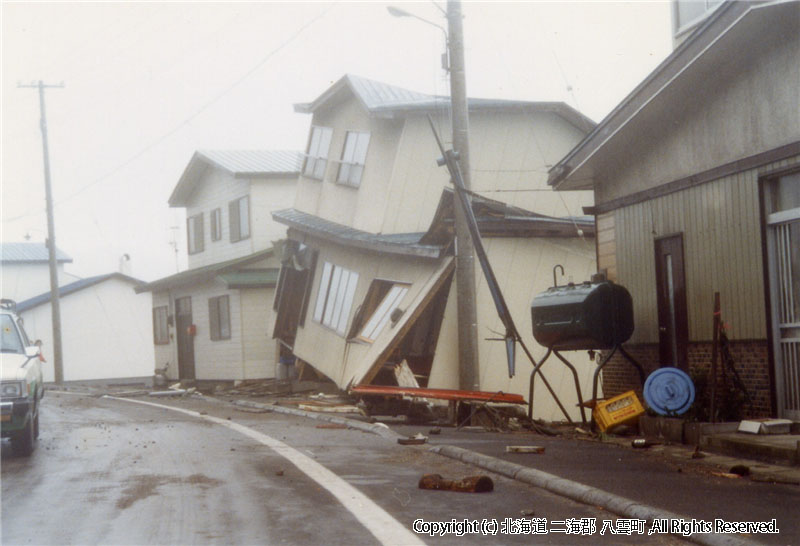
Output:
(58, 363)
(469, 377)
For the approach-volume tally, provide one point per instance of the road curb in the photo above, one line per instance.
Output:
(581, 493)
(564, 487)
(375, 428)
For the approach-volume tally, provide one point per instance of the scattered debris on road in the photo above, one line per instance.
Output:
(525, 449)
(417, 439)
(470, 484)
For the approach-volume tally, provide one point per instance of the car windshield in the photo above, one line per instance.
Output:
(10, 342)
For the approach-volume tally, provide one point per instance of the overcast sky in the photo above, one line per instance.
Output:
(147, 84)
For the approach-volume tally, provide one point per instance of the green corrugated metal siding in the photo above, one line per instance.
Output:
(720, 222)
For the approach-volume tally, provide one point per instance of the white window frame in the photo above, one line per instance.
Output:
(319, 143)
(376, 323)
(239, 212)
(215, 220)
(194, 234)
(337, 288)
(354, 156)
(161, 325)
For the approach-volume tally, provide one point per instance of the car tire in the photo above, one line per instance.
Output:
(36, 426)
(24, 441)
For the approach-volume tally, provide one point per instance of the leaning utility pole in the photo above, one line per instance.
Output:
(469, 377)
(58, 363)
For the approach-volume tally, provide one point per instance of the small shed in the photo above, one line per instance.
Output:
(105, 329)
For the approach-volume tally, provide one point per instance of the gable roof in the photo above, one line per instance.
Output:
(202, 274)
(76, 286)
(696, 57)
(29, 253)
(384, 100)
(240, 164)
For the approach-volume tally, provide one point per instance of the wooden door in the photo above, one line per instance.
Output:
(673, 322)
(183, 326)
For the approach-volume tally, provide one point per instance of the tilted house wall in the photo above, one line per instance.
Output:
(376, 228)
(692, 158)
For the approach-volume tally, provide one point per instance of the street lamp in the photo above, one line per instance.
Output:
(465, 253)
(397, 12)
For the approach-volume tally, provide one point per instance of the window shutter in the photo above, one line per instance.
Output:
(233, 214)
(213, 318)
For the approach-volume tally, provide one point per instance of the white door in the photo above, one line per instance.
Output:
(784, 259)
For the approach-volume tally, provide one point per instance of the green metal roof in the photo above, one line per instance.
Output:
(251, 278)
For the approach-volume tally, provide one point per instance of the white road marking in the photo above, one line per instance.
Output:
(380, 523)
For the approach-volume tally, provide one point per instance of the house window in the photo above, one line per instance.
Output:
(239, 213)
(335, 297)
(219, 317)
(160, 329)
(216, 224)
(317, 153)
(194, 233)
(382, 300)
(353, 157)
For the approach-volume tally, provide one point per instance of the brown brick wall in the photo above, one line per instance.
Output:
(750, 358)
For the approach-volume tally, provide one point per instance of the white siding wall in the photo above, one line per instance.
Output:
(361, 207)
(510, 155)
(401, 184)
(250, 351)
(106, 333)
(258, 322)
(215, 190)
(266, 196)
(23, 281)
(524, 268)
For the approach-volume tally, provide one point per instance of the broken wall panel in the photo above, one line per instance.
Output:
(339, 356)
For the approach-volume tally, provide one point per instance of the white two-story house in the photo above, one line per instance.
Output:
(213, 322)
(367, 293)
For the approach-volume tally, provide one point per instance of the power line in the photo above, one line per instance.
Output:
(189, 119)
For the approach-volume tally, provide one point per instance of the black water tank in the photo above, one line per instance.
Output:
(583, 316)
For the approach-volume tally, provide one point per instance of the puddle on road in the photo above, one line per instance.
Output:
(141, 487)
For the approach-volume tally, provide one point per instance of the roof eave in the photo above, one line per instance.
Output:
(574, 162)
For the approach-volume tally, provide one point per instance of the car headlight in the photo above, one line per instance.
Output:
(12, 389)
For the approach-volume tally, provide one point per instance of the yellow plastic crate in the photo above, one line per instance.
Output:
(617, 411)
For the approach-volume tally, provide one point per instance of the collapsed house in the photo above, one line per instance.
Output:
(366, 293)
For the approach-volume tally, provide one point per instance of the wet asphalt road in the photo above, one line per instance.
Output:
(111, 472)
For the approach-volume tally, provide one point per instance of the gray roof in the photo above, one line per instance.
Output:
(239, 163)
(29, 253)
(71, 288)
(254, 162)
(383, 99)
(206, 273)
(399, 243)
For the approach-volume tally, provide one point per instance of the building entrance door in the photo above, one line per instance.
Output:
(673, 322)
(783, 249)
(183, 326)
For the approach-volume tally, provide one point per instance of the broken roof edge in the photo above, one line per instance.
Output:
(648, 89)
(207, 272)
(406, 244)
(510, 220)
